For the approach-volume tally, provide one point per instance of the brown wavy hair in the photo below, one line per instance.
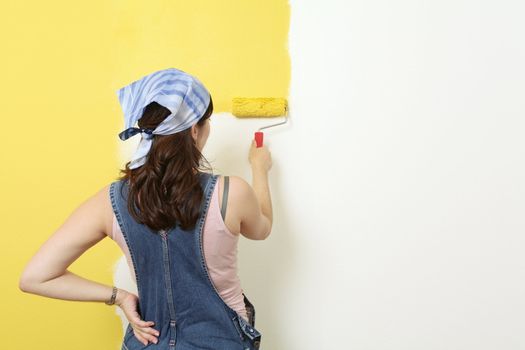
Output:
(166, 191)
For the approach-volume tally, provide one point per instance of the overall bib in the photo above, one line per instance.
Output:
(174, 286)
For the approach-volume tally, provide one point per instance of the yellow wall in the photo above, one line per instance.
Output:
(61, 65)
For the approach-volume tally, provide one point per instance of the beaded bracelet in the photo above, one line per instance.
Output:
(113, 297)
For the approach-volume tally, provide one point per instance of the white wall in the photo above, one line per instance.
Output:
(398, 186)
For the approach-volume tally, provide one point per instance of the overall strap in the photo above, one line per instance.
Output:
(225, 196)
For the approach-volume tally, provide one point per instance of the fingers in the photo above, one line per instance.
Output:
(144, 333)
(142, 330)
(142, 323)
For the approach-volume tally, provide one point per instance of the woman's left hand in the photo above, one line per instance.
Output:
(143, 331)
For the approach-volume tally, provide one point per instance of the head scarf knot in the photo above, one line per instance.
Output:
(126, 134)
(181, 93)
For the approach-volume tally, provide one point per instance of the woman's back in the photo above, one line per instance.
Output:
(174, 285)
(219, 245)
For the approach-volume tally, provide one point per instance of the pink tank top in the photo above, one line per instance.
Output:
(220, 255)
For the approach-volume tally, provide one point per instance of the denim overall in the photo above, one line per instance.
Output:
(174, 287)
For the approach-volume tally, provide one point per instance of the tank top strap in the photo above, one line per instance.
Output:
(225, 197)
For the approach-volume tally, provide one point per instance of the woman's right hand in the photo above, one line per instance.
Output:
(143, 330)
(260, 157)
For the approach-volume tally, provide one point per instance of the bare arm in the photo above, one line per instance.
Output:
(46, 273)
(261, 189)
(257, 216)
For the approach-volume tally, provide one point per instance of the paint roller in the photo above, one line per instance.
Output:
(260, 107)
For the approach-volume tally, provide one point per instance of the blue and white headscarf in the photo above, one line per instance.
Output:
(183, 94)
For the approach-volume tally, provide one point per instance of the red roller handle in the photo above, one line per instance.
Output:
(259, 138)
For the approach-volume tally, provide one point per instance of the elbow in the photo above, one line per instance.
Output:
(266, 235)
(268, 230)
(24, 285)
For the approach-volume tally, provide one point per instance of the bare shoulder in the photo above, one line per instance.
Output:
(239, 188)
(236, 192)
(102, 200)
(245, 212)
(240, 191)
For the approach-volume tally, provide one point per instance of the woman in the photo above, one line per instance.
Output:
(171, 222)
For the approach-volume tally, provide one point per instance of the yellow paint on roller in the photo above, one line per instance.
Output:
(259, 107)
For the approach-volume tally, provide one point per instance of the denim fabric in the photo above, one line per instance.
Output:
(174, 286)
